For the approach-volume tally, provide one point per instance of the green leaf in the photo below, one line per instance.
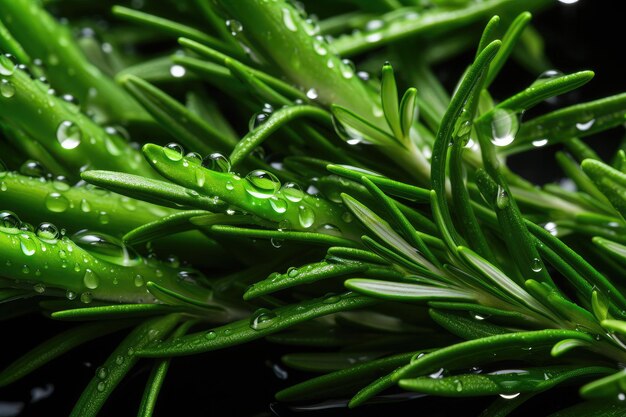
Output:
(389, 99)
(509, 41)
(408, 111)
(112, 312)
(500, 382)
(345, 380)
(573, 121)
(609, 181)
(165, 226)
(193, 132)
(465, 327)
(608, 387)
(480, 351)
(306, 274)
(405, 292)
(277, 119)
(359, 129)
(119, 363)
(242, 331)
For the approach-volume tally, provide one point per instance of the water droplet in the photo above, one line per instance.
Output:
(288, 19)
(584, 126)
(33, 169)
(536, 265)
(262, 319)
(262, 184)
(27, 244)
(90, 279)
(173, 151)
(86, 297)
(7, 64)
(510, 396)
(551, 227)
(347, 68)
(568, 1)
(69, 135)
(101, 386)
(105, 247)
(277, 243)
(312, 94)
(293, 272)
(258, 119)
(102, 372)
(229, 186)
(217, 162)
(56, 202)
(177, 71)
(7, 89)
(278, 204)
(504, 127)
(319, 46)
(234, 26)
(306, 216)
(210, 335)
(9, 220)
(85, 206)
(119, 360)
(547, 76)
(292, 192)
(540, 142)
(103, 217)
(39, 288)
(70, 295)
(47, 232)
(502, 198)
(458, 385)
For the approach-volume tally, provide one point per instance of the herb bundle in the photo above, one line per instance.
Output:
(197, 175)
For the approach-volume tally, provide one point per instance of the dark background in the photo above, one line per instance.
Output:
(241, 381)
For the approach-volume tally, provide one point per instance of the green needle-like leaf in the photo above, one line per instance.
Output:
(265, 322)
(119, 363)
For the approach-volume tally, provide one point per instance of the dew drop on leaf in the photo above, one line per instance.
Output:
(7, 89)
(536, 265)
(262, 319)
(56, 202)
(173, 151)
(510, 396)
(9, 220)
(7, 64)
(292, 192)
(68, 134)
(217, 162)
(177, 71)
(47, 232)
(234, 26)
(262, 184)
(288, 20)
(278, 204)
(33, 169)
(105, 247)
(502, 198)
(504, 127)
(27, 244)
(306, 216)
(90, 279)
